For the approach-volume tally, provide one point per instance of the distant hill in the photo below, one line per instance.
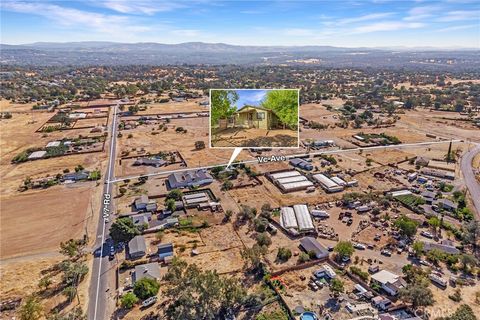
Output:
(150, 53)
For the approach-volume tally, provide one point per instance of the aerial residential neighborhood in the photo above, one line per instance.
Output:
(142, 180)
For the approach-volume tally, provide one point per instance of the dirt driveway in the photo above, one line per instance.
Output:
(238, 137)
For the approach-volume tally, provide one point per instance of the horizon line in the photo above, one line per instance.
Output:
(249, 45)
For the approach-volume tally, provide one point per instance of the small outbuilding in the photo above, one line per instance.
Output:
(309, 244)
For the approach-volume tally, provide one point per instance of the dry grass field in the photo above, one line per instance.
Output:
(191, 105)
(20, 277)
(197, 130)
(38, 221)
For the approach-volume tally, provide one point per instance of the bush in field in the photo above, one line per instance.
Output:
(128, 300)
(284, 254)
(146, 288)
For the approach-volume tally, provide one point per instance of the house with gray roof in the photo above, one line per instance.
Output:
(188, 179)
(141, 202)
(141, 219)
(76, 176)
(309, 244)
(445, 246)
(447, 204)
(147, 270)
(428, 196)
(137, 247)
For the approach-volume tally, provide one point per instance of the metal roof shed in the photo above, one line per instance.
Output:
(292, 179)
(304, 219)
(286, 174)
(292, 186)
(288, 219)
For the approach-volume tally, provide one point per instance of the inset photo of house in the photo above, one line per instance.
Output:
(254, 118)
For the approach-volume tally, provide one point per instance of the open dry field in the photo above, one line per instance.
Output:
(423, 122)
(127, 168)
(38, 221)
(197, 130)
(18, 134)
(20, 277)
(13, 175)
(8, 106)
(445, 306)
(33, 223)
(93, 122)
(238, 137)
(190, 105)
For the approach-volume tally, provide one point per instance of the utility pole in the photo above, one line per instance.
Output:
(449, 152)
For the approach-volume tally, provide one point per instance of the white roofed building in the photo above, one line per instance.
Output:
(327, 184)
(287, 218)
(304, 219)
(290, 181)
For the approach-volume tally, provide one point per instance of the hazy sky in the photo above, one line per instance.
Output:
(368, 23)
(250, 97)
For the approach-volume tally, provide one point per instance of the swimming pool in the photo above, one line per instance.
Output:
(308, 316)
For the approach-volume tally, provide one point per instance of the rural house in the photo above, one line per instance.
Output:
(148, 270)
(447, 204)
(137, 247)
(76, 176)
(390, 282)
(445, 246)
(141, 202)
(142, 219)
(189, 179)
(255, 117)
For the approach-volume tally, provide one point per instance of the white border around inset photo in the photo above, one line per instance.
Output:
(244, 89)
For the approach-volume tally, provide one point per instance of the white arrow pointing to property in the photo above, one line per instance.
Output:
(235, 154)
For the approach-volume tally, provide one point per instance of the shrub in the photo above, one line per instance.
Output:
(284, 254)
(357, 271)
(128, 300)
(303, 257)
(146, 288)
(260, 224)
(199, 145)
(263, 239)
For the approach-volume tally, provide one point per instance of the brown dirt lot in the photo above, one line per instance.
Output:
(13, 174)
(447, 305)
(197, 129)
(91, 122)
(220, 237)
(171, 107)
(424, 121)
(236, 137)
(226, 261)
(37, 222)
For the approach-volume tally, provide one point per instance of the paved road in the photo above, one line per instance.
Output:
(469, 176)
(101, 292)
(398, 146)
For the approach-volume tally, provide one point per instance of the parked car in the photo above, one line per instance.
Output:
(386, 252)
(149, 301)
(426, 234)
(425, 263)
(359, 246)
